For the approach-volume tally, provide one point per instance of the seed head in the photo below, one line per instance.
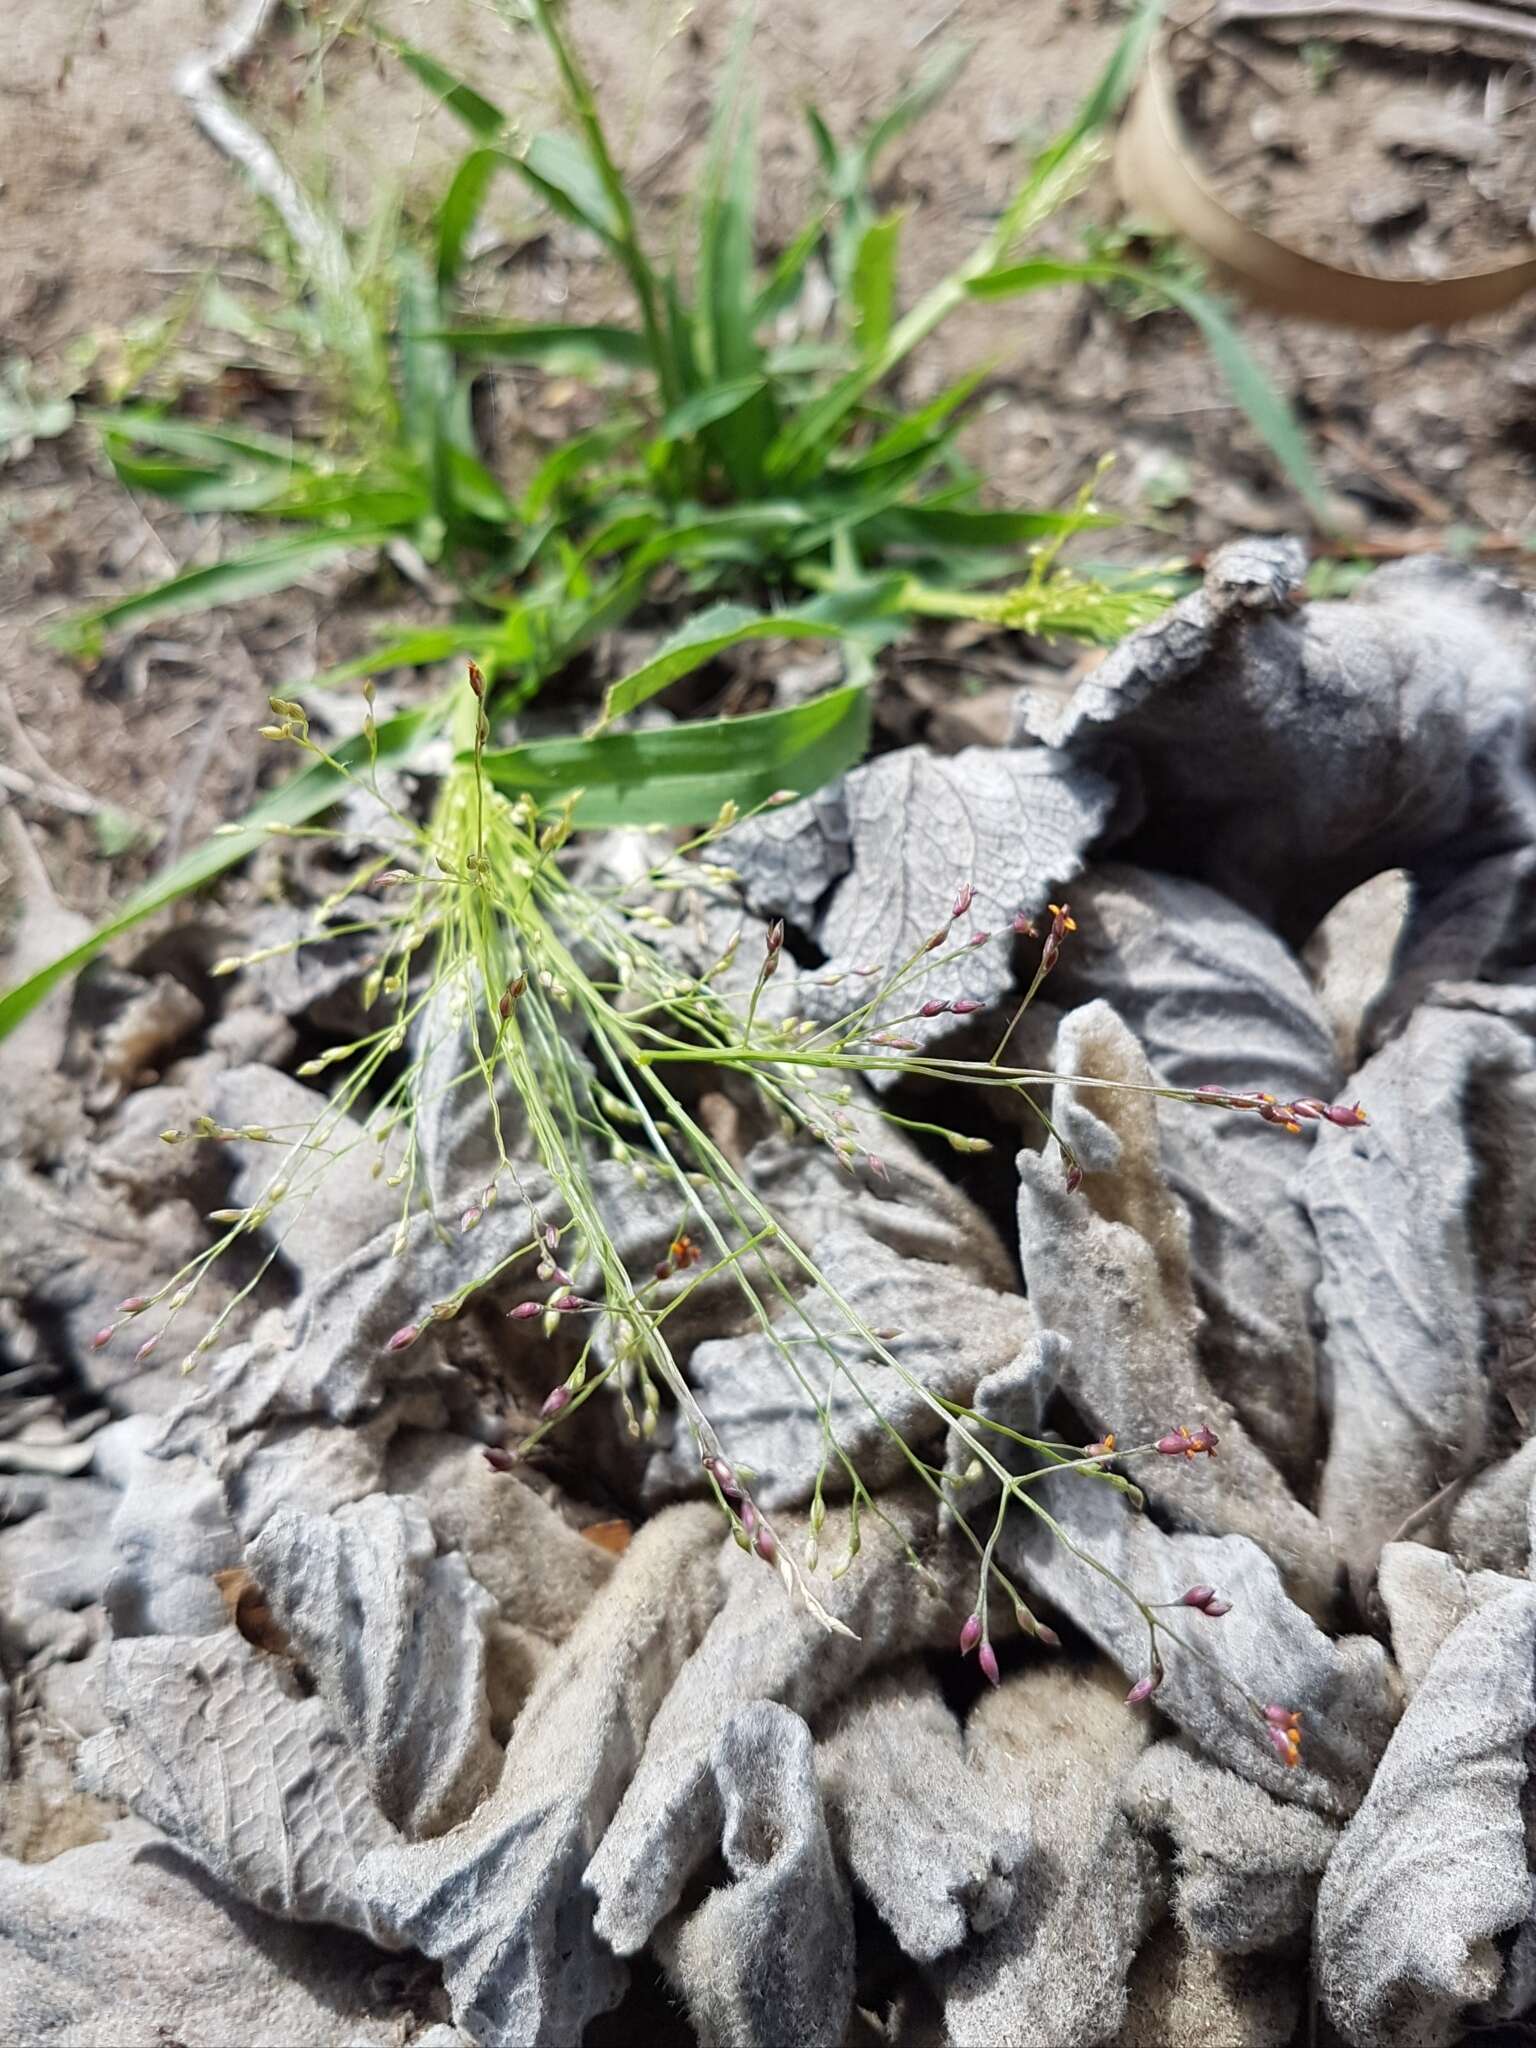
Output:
(970, 1634)
(1144, 1687)
(133, 1304)
(498, 1459)
(724, 1477)
(525, 1311)
(1188, 1443)
(1074, 1177)
(986, 1657)
(476, 681)
(965, 896)
(1062, 922)
(1206, 1600)
(933, 1009)
(145, 1348)
(1024, 926)
(978, 939)
(967, 1006)
(403, 1337)
(1104, 1448)
(766, 1544)
(104, 1337)
(559, 1398)
(1283, 1728)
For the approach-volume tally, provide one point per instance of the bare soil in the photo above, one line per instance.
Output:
(1407, 159)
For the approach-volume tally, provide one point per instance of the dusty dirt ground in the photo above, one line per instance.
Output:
(1431, 150)
(112, 201)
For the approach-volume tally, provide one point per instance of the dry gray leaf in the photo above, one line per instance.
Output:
(1470, 927)
(1265, 1652)
(211, 1743)
(759, 1648)
(1050, 1748)
(1012, 825)
(920, 1834)
(1246, 1866)
(1490, 1523)
(949, 1334)
(767, 1960)
(1426, 1595)
(788, 859)
(1214, 996)
(499, 1899)
(318, 1465)
(1109, 1269)
(914, 1259)
(394, 1637)
(1431, 1873)
(542, 1575)
(170, 1533)
(124, 1944)
(1404, 1272)
(1287, 753)
(55, 1559)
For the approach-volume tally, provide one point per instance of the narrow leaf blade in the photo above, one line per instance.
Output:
(710, 633)
(270, 566)
(483, 120)
(683, 775)
(299, 798)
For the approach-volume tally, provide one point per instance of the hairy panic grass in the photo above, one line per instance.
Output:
(580, 1030)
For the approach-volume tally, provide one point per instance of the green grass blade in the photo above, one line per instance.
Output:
(683, 775)
(782, 286)
(563, 345)
(1268, 409)
(184, 437)
(299, 798)
(483, 120)
(190, 485)
(706, 408)
(270, 565)
(475, 491)
(571, 458)
(1061, 166)
(945, 528)
(559, 168)
(460, 206)
(709, 633)
(827, 153)
(726, 326)
(873, 282)
(921, 429)
(925, 91)
(426, 364)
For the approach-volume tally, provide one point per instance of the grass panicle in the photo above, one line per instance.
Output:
(570, 1019)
